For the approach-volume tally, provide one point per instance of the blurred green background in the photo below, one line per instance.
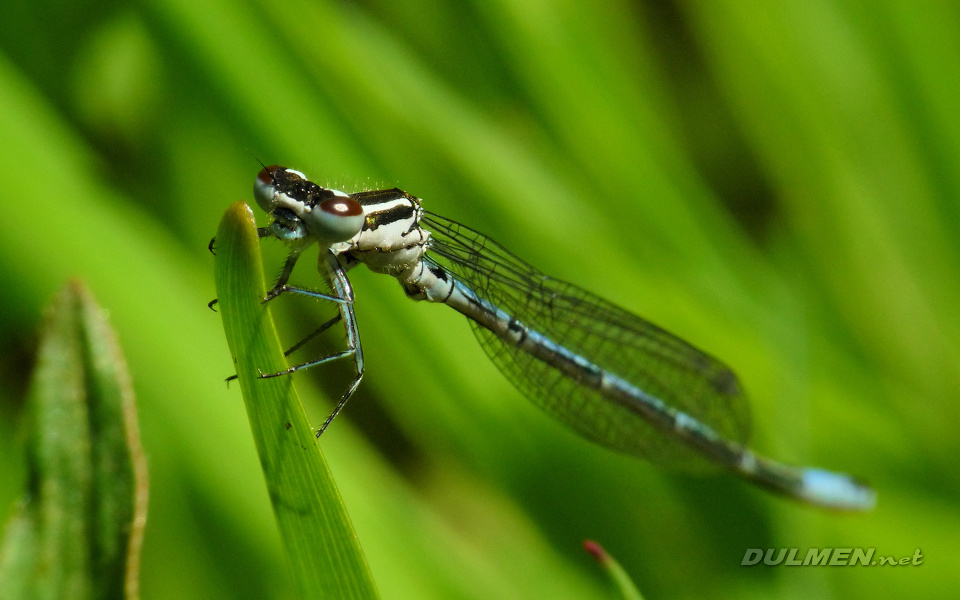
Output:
(776, 182)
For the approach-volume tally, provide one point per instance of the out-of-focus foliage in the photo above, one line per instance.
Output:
(78, 530)
(777, 182)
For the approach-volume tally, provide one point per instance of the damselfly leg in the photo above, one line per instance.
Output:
(262, 232)
(316, 332)
(343, 297)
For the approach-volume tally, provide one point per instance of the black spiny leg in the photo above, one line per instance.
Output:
(262, 232)
(344, 298)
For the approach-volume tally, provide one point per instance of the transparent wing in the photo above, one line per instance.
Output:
(650, 358)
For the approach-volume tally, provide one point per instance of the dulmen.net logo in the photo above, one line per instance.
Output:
(827, 557)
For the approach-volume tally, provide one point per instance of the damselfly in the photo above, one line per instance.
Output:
(611, 376)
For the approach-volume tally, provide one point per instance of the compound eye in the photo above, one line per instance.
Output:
(265, 187)
(336, 219)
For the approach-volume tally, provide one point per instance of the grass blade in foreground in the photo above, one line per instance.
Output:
(320, 542)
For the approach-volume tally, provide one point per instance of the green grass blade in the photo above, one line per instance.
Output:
(320, 542)
(620, 578)
(78, 532)
(18, 559)
(119, 468)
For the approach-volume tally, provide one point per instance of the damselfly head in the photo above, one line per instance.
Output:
(301, 208)
(264, 187)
